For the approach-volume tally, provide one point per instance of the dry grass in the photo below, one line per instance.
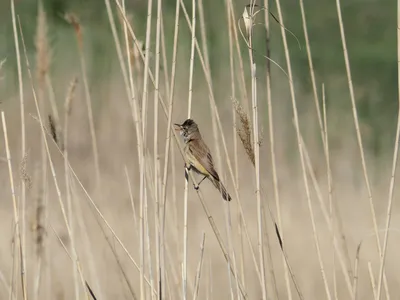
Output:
(113, 216)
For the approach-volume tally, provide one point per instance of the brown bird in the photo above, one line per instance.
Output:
(198, 156)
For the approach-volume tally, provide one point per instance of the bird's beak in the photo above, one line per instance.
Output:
(177, 127)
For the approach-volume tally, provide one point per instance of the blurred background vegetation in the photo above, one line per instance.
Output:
(370, 27)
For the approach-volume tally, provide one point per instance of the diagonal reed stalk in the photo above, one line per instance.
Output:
(300, 148)
(359, 138)
(235, 145)
(23, 140)
(52, 168)
(17, 235)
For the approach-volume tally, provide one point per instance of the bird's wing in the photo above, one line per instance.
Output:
(202, 154)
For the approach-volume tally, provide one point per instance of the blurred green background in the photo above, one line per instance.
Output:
(370, 28)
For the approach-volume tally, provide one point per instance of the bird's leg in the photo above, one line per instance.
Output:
(196, 187)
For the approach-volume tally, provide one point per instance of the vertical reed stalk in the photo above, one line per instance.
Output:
(394, 165)
(155, 148)
(167, 150)
(142, 151)
(272, 144)
(185, 210)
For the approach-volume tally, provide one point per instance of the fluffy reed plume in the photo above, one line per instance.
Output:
(74, 21)
(23, 172)
(70, 95)
(244, 131)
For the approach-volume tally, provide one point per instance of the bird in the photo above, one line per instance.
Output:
(198, 156)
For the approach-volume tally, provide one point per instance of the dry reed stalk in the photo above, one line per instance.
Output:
(157, 218)
(372, 279)
(355, 276)
(127, 73)
(330, 189)
(67, 112)
(128, 181)
(97, 210)
(394, 166)
(215, 131)
(15, 210)
(210, 219)
(224, 145)
(42, 65)
(150, 173)
(328, 215)
(14, 267)
(235, 143)
(170, 92)
(256, 147)
(311, 173)
(300, 148)
(186, 192)
(199, 268)
(311, 68)
(88, 99)
(272, 144)
(52, 168)
(164, 57)
(359, 138)
(143, 198)
(242, 81)
(23, 128)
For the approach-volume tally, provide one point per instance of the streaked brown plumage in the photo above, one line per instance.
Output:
(198, 156)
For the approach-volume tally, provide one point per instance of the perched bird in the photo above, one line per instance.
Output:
(198, 156)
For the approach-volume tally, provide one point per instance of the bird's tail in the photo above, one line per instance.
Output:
(218, 184)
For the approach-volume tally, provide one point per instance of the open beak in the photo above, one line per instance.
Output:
(177, 127)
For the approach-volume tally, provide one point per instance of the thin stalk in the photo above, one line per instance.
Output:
(329, 176)
(167, 149)
(92, 129)
(158, 220)
(67, 111)
(199, 268)
(272, 145)
(300, 147)
(15, 207)
(143, 149)
(256, 148)
(222, 136)
(52, 168)
(394, 165)
(359, 138)
(235, 143)
(23, 140)
(185, 209)
(205, 208)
